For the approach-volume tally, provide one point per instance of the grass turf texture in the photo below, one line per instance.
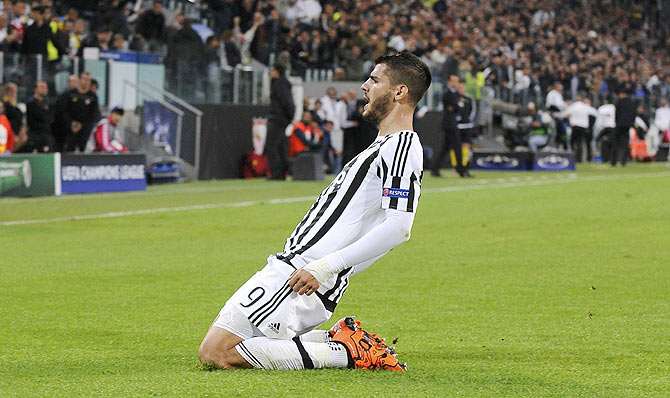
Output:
(513, 284)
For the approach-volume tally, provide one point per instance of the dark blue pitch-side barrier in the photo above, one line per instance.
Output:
(102, 173)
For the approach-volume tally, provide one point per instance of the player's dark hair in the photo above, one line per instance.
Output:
(406, 68)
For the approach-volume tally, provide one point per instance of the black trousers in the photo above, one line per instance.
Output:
(580, 137)
(37, 141)
(560, 134)
(452, 141)
(620, 145)
(78, 140)
(276, 149)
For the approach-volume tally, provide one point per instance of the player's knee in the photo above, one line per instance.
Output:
(210, 356)
(218, 356)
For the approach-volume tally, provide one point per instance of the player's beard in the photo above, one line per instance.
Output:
(379, 108)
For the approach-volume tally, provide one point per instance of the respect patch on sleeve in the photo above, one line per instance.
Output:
(395, 193)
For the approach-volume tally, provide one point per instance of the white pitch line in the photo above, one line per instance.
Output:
(512, 182)
(155, 210)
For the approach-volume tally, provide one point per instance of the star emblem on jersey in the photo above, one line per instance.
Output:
(274, 326)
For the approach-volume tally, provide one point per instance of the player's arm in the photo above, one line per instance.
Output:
(395, 230)
(401, 182)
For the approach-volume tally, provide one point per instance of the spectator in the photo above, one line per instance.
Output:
(452, 139)
(79, 114)
(244, 41)
(540, 128)
(213, 74)
(662, 117)
(76, 36)
(345, 110)
(303, 136)
(19, 18)
(606, 125)
(113, 15)
(577, 82)
(59, 127)
(467, 110)
(625, 119)
(37, 35)
(308, 12)
(300, 50)
(354, 62)
(38, 120)
(151, 26)
(186, 54)
(62, 36)
(72, 82)
(118, 42)
(10, 102)
(578, 115)
(230, 54)
(7, 138)
(9, 38)
(282, 110)
(100, 40)
(555, 104)
(328, 110)
(108, 134)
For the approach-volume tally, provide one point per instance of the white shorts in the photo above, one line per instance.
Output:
(266, 306)
(234, 321)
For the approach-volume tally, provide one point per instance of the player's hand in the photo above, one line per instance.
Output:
(302, 282)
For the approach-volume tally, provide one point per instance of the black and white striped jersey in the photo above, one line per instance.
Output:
(386, 175)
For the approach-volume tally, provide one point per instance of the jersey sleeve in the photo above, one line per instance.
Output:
(401, 170)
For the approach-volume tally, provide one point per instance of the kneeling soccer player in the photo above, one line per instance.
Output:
(366, 211)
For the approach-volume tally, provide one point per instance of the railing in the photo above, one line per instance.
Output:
(167, 105)
(238, 85)
(26, 70)
(190, 108)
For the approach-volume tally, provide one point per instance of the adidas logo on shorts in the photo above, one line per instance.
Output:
(274, 326)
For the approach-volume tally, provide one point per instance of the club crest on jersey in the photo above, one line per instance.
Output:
(395, 193)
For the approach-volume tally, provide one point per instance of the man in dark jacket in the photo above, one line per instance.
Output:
(186, 53)
(35, 39)
(626, 111)
(37, 35)
(452, 138)
(282, 110)
(151, 25)
(80, 114)
(101, 39)
(37, 118)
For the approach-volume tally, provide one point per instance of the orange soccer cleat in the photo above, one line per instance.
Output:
(367, 351)
(346, 322)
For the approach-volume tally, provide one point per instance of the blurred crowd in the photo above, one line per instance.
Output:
(520, 49)
(590, 46)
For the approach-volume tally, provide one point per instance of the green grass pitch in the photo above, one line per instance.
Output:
(513, 285)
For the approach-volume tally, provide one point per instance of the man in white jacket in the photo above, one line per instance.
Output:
(555, 103)
(578, 114)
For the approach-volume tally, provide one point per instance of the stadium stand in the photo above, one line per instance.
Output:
(517, 49)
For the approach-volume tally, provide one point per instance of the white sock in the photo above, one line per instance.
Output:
(266, 353)
(315, 336)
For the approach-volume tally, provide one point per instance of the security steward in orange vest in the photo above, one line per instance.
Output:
(305, 136)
